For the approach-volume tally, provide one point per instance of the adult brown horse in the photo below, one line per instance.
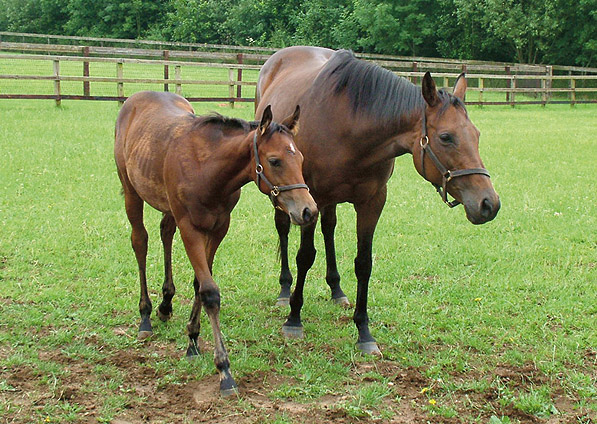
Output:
(191, 169)
(356, 117)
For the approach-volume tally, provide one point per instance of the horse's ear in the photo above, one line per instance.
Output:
(460, 87)
(291, 122)
(266, 120)
(429, 90)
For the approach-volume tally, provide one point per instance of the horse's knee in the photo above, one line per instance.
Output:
(306, 256)
(210, 298)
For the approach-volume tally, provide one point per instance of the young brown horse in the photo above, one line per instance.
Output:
(191, 169)
(355, 119)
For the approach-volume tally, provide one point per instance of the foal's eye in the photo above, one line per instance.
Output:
(446, 138)
(275, 162)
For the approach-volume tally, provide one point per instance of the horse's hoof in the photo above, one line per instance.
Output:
(144, 335)
(291, 332)
(283, 302)
(229, 392)
(369, 348)
(192, 353)
(163, 317)
(342, 301)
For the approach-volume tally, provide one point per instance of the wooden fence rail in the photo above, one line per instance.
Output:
(512, 85)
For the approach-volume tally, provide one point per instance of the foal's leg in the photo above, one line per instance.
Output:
(134, 211)
(197, 244)
(194, 324)
(328, 225)
(167, 230)
(367, 216)
(283, 227)
(304, 260)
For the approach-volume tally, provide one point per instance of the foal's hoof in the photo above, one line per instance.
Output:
(342, 301)
(369, 348)
(192, 352)
(163, 317)
(283, 302)
(292, 332)
(228, 386)
(144, 335)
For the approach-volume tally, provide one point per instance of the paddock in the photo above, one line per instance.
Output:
(476, 324)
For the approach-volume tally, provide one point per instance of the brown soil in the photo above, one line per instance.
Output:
(199, 401)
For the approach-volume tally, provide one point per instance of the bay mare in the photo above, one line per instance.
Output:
(191, 168)
(356, 117)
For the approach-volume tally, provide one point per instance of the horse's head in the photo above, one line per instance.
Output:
(279, 167)
(448, 152)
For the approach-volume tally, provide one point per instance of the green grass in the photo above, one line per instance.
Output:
(453, 301)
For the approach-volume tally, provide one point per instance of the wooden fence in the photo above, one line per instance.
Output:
(492, 83)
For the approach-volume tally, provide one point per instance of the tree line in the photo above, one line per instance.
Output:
(526, 31)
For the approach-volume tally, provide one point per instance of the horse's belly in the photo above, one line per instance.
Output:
(150, 188)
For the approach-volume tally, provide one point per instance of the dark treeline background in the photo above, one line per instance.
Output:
(527, 31)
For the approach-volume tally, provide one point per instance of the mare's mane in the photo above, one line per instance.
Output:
(226, 122)
(373, 89)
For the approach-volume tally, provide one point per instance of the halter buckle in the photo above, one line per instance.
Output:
(448, 175)
(275, 191)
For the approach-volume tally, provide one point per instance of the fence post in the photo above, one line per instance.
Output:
(543, 91)
(446, 82)
(513, 87)
(231, 86)
(572, 92)
(177, 77)
(119, 83)
(239, 88)
(57, 82)
(481, 86)
(166, 56)
(86, 72)
(507, 92)
(414, 79)
(549, 72)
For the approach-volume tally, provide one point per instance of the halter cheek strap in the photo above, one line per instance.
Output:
(274, 189)
(447, 174)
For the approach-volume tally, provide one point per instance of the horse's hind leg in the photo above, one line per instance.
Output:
(328, 225)
(134, 211)
(167, 230)
(283, 227)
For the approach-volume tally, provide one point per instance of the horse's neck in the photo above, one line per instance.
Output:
(234, 162)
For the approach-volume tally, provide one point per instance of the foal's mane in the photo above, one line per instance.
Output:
(374, 90)
(227, 122)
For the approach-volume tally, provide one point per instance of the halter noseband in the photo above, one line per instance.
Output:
(274, 189)
(447, 175)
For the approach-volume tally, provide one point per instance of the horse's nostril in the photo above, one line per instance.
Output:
(486, 208)
(307, 215)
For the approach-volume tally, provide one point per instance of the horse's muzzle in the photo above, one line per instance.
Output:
(484, 210)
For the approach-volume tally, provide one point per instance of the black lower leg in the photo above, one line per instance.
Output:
(283, 228)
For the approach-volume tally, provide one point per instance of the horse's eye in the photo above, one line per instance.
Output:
(275, 162)
(446, 138)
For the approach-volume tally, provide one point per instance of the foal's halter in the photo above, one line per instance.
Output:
(447, 174)
(274, 189)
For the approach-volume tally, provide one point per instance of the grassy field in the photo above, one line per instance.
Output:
(486, 324)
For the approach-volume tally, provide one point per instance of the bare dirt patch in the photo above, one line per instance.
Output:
(148, 401)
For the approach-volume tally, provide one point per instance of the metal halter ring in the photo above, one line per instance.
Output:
(426, 141)
(275, 191)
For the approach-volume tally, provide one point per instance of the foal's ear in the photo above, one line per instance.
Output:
(429, 90)
(460, 87)
(266, 120)
(291, 122)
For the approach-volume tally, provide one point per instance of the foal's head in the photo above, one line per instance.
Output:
(279, 166)
(454, 140)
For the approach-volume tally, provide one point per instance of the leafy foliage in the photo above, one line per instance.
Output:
(528, 31)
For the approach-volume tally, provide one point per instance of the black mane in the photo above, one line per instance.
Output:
(373, 89)
(227, 122)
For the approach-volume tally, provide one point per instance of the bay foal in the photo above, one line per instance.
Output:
(191, 168)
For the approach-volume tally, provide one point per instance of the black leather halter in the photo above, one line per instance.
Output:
(274, 189)
(447, 174)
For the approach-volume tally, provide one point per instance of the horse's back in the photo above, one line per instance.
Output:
(146, 125)
(286, 76)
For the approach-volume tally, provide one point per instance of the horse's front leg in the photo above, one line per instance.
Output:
(198, 245)
(305, 257)
(332, 277)
(367, 216)
(283, 227)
